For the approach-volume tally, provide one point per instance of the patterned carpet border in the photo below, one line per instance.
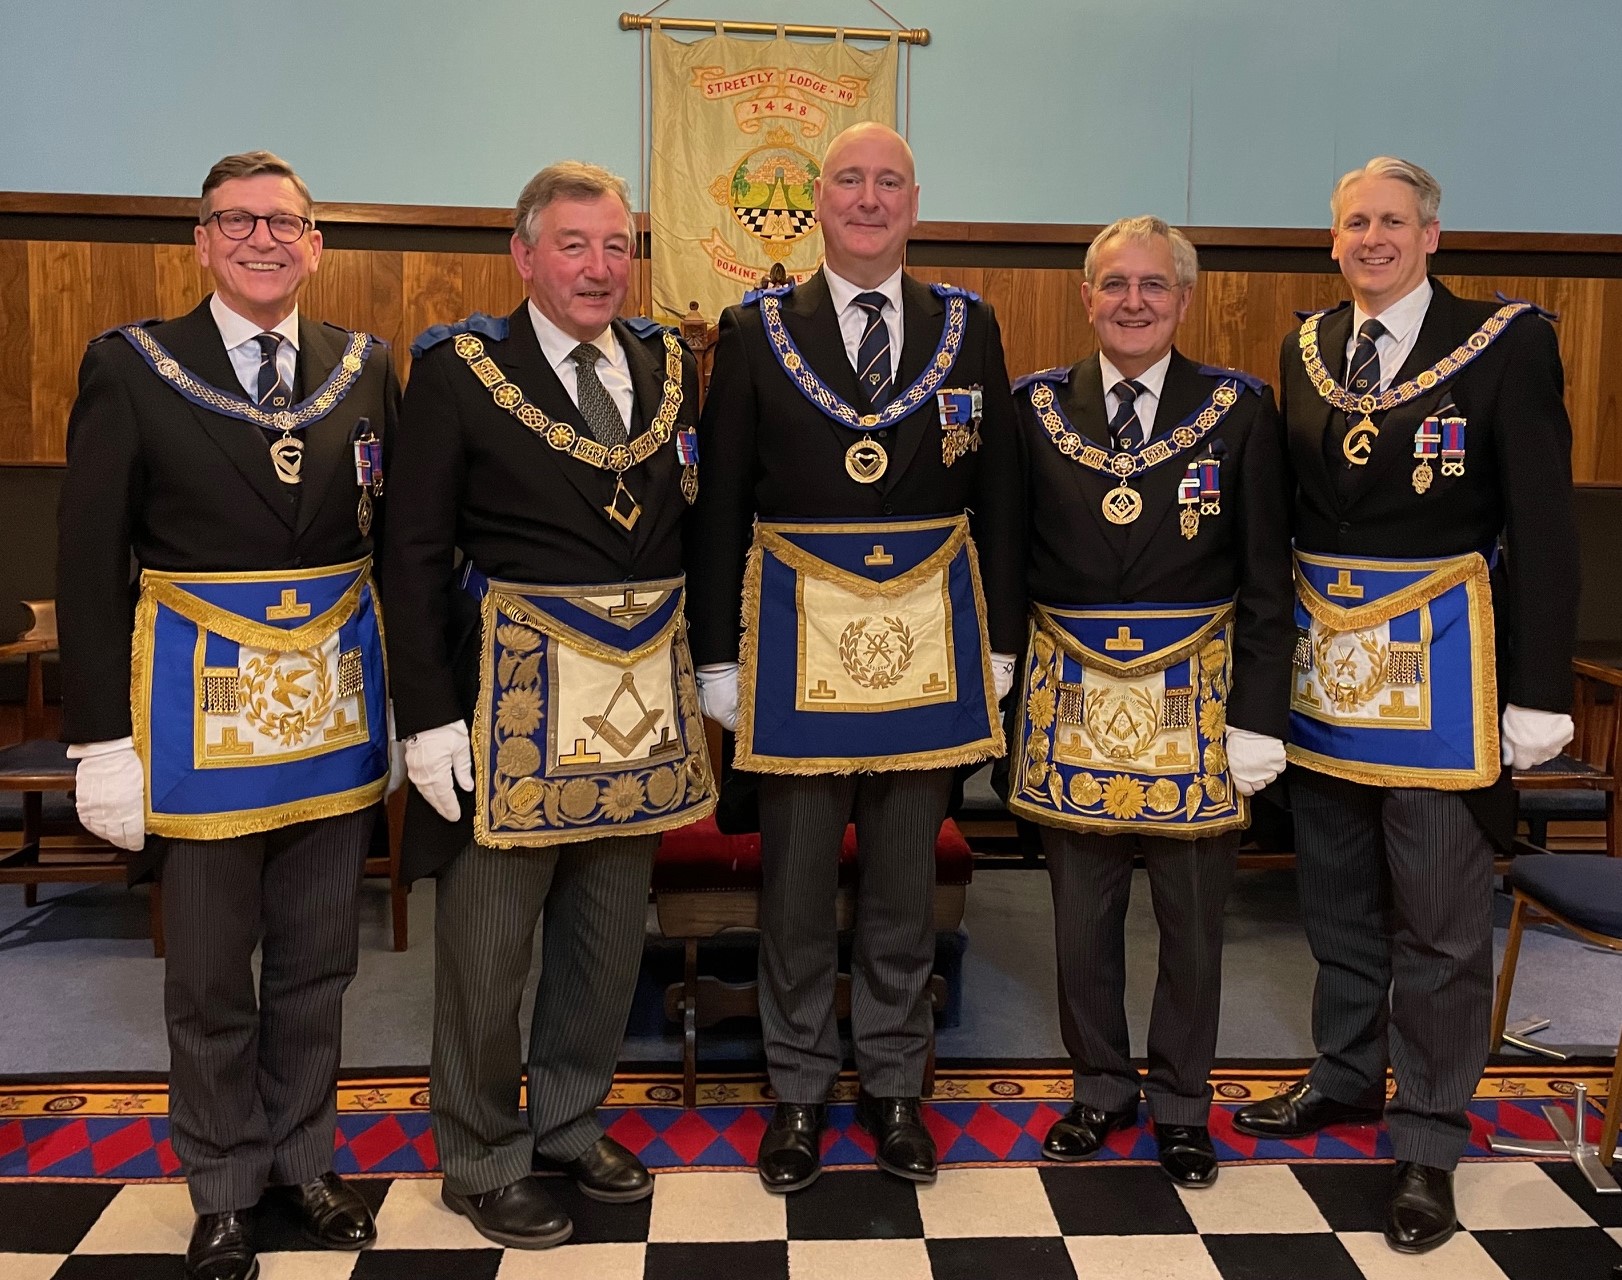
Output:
(119, 1132)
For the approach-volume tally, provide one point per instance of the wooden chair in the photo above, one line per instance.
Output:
(389, 865)
(1581, 782)
(58, 849)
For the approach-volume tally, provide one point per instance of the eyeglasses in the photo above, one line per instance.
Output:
(239, 224)
(1149, 290)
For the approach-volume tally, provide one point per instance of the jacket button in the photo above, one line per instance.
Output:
(888, 509)
(882, 435)
(1345, 527)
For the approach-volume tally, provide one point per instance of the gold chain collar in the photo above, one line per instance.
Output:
(1401, 393)
(563, 437)
(1123, 466)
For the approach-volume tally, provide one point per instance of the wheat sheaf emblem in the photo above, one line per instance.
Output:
(876, 657)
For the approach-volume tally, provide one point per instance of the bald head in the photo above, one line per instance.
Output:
(867, 203)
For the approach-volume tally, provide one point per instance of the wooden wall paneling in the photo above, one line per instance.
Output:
(182, 282)
(59, 298)
(16, 355)
(491, 284)
(431, 292)
(1607, 453)
(123, 285)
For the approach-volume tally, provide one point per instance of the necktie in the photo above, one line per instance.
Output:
(873, 355)
(273, 393)
(1125, 431)
(1363, 374)
(602, 415)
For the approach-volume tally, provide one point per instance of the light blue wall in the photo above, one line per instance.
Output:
(1210, 112)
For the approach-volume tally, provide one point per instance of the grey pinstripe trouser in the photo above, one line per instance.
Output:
(1396, 896)
(1189, 882)
(251, 1082)
(802, 821)
(594, 895)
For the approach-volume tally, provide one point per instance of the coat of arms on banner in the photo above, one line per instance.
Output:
(739, 131)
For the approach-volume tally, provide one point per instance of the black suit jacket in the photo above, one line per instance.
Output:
(765, 450)
(1077, 557)
(1516, 489)
(465, 475)
(184, 489)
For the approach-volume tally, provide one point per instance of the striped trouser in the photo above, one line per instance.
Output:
(593, 897)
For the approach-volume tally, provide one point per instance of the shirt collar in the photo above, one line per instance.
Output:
(1402, 317)
(843, 292)
(558, 347)
(1151, 379)
(237, 330)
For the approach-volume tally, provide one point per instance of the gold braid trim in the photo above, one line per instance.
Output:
(1042, 618)
(811, 566)
(1337, 618)
(1401, 393)
(506, 599)
(993, 745)
(1198, 830)
(167, 589)
(246, 822)
(562, 436)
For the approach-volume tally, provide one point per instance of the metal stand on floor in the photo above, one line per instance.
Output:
(1517, 1036)
(1569, 1140)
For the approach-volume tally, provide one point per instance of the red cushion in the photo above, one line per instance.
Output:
(698, 857)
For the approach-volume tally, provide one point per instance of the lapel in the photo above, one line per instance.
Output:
(327, 454)
(813, 323)
(1310, 413)
(1183, 392)
(1081, 399)
(923, 314)
(647, 383)
(194, 340)
(1439, 332)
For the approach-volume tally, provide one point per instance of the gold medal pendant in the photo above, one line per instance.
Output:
(287, 455)
(866, 460)
(1189, 521)
(1122, 505)
(1422, 477)
(623, 509)
(363, 513)
(1359, 442)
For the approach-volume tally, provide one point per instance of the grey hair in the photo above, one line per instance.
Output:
(1426, 188)
(568, 180)
(1138, 230)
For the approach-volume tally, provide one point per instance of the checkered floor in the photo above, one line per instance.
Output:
(1524, 1221)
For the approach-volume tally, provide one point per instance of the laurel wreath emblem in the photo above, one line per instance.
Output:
(877, 668)
(1349, 695)
(293, 726)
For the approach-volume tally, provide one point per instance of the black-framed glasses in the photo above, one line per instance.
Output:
(238, 224)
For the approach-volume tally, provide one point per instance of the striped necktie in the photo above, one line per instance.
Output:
(1363, 374)
(873, 355)
(273, 393)
(1125, 431)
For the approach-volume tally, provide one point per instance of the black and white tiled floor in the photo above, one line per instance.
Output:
(1523, 1221)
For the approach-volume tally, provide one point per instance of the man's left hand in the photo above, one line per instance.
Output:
(1254, 760)
(1528, 738)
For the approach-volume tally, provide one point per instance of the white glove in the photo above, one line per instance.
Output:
(438, 761)
(109, 788)
(718, 693)
(1002, 674)
(397, 758)
(1254, 760)
(1528, 738)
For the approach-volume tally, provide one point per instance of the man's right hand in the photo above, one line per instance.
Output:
(437, 762)
(718, 694)
(109, 790)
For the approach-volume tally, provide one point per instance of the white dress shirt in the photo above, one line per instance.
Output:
(613, 370)
(240, 336)
(853, 319)
(1152, 380)
(1401, 320)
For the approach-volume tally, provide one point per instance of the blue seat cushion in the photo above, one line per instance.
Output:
(1585, 888)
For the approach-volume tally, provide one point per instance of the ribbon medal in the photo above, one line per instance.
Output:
(1188, 497)
(960, 412)
(687, 455)
(368, 472)
(1453, 446)
(1427, 441)
(1210, 486)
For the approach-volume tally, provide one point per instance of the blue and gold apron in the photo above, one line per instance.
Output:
(864, 649)
(1395, 683)
(1123, 721)
(587, 722)
(258, 699)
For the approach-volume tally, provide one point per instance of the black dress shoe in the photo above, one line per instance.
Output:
(1420, 1215)
(790, 1154)
(606, 1171)
(520, 1214)
(902, 1145)
(1298, 1111)
(1186, 1154)
(1080, 1131)
(331, 1212)
(221, 1247)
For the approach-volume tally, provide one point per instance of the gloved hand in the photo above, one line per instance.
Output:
(718, 693)
(397, 758)
(109, 788)
(438, 761)
(1528, 738)
(1254, 760)
(1002, 674)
